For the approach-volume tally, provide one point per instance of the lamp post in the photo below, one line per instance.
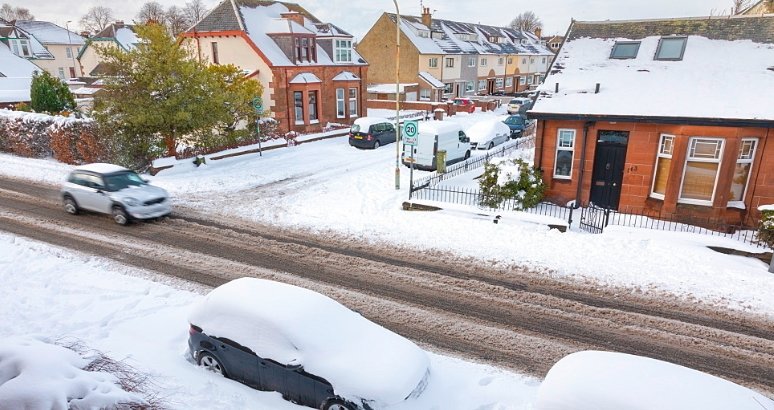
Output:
(69, 43)
(397, 95)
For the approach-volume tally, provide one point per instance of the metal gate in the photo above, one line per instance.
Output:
(594, 219)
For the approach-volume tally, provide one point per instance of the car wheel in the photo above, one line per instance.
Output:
(119, 215)
(376, 144)
(70, 206)
(336, 404)
(211, 363)
(467, 154)
(491, 145)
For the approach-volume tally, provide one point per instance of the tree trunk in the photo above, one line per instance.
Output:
(169, 141)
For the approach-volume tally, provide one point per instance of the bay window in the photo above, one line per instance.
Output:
(565, 153)
(298, 101)
(353, 102)
(343, 51)
(663, 165)
(700, 175)
(744, 163)
(313, 118)
(340, 103)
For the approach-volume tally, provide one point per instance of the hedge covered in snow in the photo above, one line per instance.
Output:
(67, 139)
(766, 228)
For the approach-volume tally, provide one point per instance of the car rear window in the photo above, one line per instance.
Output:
(355, 128)
(515, 101)
(122, 180)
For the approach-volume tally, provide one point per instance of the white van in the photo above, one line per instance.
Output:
(435, 136)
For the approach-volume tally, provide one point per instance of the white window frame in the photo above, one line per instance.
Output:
(523, 80)
(529, 79)
(69, 52)
(433, 62)
(472, 61)
(449, 62)
(341, 110)
(509, 82)
(481, 85)
(61, 73)
(750, 161)
(298, 120)
(500, 61)
(510, 60)
(470, 87)
(20, 45)
(483, 62)
(688, 158)
(353, 96)
(342, 51)
(560, 148)
(659, 155)
(425, 94)
(499, 82)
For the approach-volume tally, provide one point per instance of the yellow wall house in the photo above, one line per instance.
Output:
(54, 49)
(466, 59)
(117, 34)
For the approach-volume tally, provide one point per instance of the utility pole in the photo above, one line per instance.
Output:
(397, 95)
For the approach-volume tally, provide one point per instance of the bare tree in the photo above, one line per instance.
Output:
(175, 20)
(9, 13)
(739, 6)
(527, 21)
(97, 18)
(194, 11)
(152, 11)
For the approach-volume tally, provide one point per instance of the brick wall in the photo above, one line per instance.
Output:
(378, 48)
(639, 168)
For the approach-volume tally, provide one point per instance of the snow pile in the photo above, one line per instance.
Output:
(296, 326)
(36, 375)
(614, 381)
(29, 117)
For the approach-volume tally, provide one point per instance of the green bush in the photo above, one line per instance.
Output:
(49, 94)
(766, 228)
(511, 180)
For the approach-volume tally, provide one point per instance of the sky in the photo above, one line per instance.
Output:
(360, 15)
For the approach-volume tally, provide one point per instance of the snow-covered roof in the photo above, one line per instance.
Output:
(50, 33)
(87, 90)
(264, 21)
(389, 88)
(430, 79)
(122, 33)
(346, 76)
(305, 78)
(366, 122)
(296, 326)
(15, 76)
(127, 37)
(452, 37)
(101, 168)
(16, 31)
(610, 381)
(721, 75)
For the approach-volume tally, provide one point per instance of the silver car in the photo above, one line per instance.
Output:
(113, 190)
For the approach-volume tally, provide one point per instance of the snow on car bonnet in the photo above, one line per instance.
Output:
(485, 130)
(293, 325)
(614, 381)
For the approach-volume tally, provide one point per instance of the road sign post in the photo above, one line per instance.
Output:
(257, 104)
(410, 138)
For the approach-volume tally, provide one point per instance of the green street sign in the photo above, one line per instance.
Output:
(257, 104)
(410, 128)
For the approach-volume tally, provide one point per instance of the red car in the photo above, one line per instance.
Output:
(465, 105)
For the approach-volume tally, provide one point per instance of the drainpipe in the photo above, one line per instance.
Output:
(586, 127)
(760, 165)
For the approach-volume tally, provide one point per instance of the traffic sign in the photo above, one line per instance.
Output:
(410, 133)
(257, 104)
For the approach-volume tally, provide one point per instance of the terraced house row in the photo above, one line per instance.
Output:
(449, 59)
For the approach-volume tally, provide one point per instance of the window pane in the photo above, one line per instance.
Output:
(706, 149)
(625, 50)
(566, 139)
(739, 182)
(671, 49)
(299, 107)
(699, 180)
(666, 145)
(662, 175)
(747, 150)
(313, 105)
(563, 163)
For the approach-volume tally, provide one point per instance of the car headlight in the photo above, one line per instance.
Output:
(132, 201)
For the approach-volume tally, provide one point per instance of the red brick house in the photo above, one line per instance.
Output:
(310, 72)
(671, 116)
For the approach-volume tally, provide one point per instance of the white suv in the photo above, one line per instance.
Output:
(114, 190)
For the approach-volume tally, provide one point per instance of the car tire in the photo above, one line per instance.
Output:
(377, 144)
(119, 215)
(336, 404)
(490, 146)
(211, 363)
(70, 206)
(467, 154)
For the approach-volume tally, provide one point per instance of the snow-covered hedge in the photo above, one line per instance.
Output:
(766, 228)
(67, 139)
(511, 182)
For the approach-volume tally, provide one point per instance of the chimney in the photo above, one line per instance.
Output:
(119, 24)
(538, 32)
(294, 16)
(427, 18)
(85, 34)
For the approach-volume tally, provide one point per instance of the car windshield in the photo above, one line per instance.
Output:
(355, 128)
(459, 102)
(122, 180)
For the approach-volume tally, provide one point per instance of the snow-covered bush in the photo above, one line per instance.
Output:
(511, 182)
(766, 228)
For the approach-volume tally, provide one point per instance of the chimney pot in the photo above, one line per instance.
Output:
(427, 18)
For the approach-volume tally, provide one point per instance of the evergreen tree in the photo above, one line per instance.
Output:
(158, 94)
(49, 94)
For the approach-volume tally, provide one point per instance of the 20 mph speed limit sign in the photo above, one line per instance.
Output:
(410, 132)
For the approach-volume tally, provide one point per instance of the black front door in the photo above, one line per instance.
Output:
(609, 163)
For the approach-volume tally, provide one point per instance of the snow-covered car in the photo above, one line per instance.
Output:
(371, 132)
(465, 105)
(113, 190)
(518, 124)
(519, 105)
(614, 381)
(487, 134)
(310, 348)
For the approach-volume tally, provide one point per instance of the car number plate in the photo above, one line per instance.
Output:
(358, 137)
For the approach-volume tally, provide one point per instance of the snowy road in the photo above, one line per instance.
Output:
(508, 317)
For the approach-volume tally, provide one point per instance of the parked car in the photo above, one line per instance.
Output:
(308, 347)
(612, 381)
(519, 105)
(113, 190)
(435, 136)
(465, 105)
(487, 134)
(517, 124)
(371, 132)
